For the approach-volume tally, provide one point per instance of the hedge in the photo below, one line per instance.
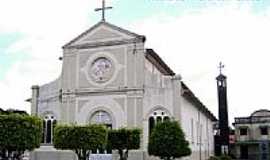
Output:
(80, 139)
(19, 133)
(124, 140)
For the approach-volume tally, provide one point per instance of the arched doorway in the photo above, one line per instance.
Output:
(101, 117)
(104, 118)
(49, 123)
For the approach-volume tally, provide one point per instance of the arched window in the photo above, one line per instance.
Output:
(156, 117)
(101, 117)
(151, 124)
(49, 123)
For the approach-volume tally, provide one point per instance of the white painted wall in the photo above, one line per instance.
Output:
(201, 136)
(48, 100)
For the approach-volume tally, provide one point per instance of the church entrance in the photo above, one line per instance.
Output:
(104, 118)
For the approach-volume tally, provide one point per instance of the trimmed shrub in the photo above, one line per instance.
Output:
(225, 157)
(80, 139)
(124, 140)
(12, 111)
(167, 141)
(19, 133)
(213, 158)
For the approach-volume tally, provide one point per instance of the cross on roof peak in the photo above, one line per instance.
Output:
(103, 9)
(221, 66)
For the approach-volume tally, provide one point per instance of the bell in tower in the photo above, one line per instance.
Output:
(223, 125)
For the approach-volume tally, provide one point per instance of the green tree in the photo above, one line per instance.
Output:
(124, 140)
(80, 139)
(12, 111)
(1, 111)
(213, 158)
(167, 141)
(15, 111)
(225, 157)
(18, 133)
(222, 157)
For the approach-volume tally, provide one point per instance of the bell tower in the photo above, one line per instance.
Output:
(223, 124)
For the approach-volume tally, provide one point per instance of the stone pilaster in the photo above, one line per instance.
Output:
(34, 100)
(176, 81)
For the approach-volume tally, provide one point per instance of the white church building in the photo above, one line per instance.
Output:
(109, 77)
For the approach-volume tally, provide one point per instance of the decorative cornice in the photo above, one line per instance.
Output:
(102, 91)
(107, 43)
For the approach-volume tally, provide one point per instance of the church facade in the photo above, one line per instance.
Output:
(109, 77)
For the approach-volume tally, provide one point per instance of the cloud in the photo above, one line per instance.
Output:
(193, 44)
(45, 26)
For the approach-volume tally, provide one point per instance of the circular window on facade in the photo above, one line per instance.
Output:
(101, 69)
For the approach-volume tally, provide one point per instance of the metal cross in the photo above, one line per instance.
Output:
(103, 10)
(221, 66)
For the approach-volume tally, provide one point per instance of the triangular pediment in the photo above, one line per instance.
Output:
(100, 33)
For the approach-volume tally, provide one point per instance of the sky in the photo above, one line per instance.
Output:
(191, 36)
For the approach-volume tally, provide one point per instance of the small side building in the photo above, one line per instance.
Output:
(252, 136)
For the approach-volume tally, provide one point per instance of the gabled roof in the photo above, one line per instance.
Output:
(189, 95)
(137, 36)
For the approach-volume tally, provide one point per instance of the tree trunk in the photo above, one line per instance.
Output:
(17, 155)
(9, 154)
(84, 154)
(167, 158)
(123, 154)
(3, 154)
(79, 154)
